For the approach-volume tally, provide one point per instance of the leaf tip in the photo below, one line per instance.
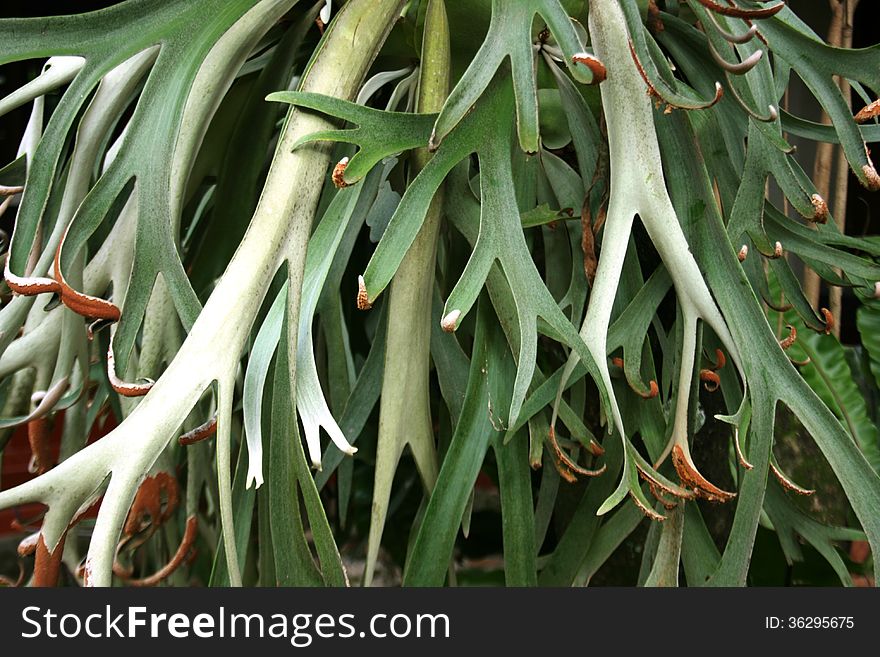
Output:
(339, 173)
(597, 68)
(363, 299)
(820, 209)
(450, 321)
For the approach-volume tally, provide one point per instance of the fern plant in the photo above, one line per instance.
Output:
(242, 225)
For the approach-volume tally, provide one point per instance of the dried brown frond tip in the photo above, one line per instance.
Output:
(820, 214)
(868, 112)
(649, 512)
(363, 301)
(787, 483)
(565, 460)
(829, 320)
(450, 321)
(692, 478)
(653, 390)
(740, 454)
(711, 381)
(183, 551)
(200, 433)
(872, 177)
(790, 340)
(339, 173)
(596, 67)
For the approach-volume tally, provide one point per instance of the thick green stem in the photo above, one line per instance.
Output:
(405, 415)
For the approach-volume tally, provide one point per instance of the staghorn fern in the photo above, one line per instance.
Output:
(166, 266)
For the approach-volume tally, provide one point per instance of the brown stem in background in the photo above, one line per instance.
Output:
(822, 165)
(839, 35)
(841, 182)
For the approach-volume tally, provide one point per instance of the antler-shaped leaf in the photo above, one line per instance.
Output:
(510, 35)
(768, 371)
(487, 132)
(371, 135)
(816, 63)
(637, 186)
(652, 66)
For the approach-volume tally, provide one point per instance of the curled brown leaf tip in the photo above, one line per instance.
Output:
(787, 483)
(653, 390)
(189, 538)
(790, 340)
(829, 320)
(658, 98)
(121, 387)
(648, 511)
(363, 300)
(339, 173)
(565, 460)
(596, 67)
(29, 285)
(820, 207)
(595, 448)
(658, 495)
(691, 477)
(739, 12)
(720, 359)
(711, 381)
(868, 112)
(660, 485)
(82, 304)
(740, 455)
(201, 432)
